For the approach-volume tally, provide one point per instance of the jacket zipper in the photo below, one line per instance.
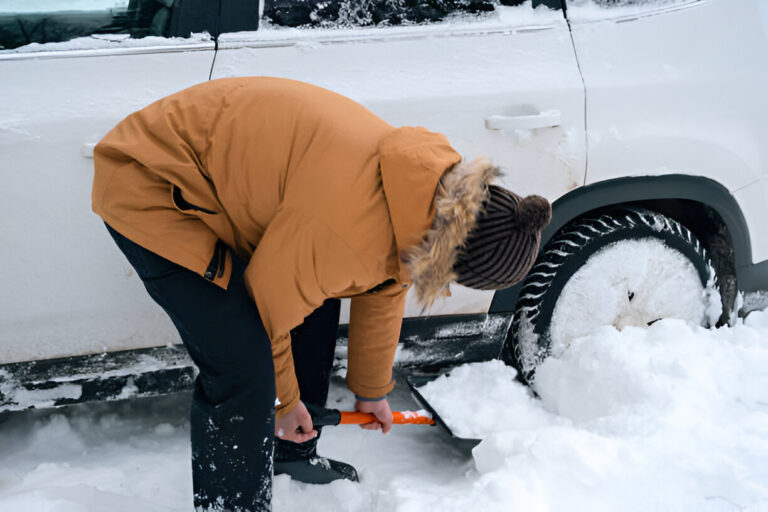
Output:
(222, 257)
(218, 262)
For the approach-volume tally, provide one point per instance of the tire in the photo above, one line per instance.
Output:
(629, 266)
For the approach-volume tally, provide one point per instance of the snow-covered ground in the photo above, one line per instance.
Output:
(669, 418)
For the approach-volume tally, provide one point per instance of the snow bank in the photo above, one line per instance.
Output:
(670, 418)
(629, 283)
(666, 418)
(119, 457)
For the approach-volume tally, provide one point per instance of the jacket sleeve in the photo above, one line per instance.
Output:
(374, 331)
(298, 263)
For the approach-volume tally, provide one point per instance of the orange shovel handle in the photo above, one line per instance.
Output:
(400, 418)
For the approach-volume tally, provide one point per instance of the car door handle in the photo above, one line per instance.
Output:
(544, 119)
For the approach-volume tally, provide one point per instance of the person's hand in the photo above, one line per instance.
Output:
(296, 425)
(380, 409)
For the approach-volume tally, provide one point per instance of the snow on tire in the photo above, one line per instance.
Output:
(628, 267)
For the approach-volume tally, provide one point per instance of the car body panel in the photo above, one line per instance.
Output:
(67, 289)
(689, 100)
(752, 200)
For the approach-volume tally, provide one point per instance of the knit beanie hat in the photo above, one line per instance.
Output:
(503, 245)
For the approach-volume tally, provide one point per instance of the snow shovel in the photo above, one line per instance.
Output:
(326, 417)
(464, 444)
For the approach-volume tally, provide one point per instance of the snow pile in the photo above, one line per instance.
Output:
(119, 457)
(479, 399)
(666, 418)
(631, 282)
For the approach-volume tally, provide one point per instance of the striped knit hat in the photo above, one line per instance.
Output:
(502, 247)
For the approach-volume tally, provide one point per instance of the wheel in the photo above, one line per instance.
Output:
(628, 267)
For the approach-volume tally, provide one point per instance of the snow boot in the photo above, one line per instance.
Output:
(302, 463)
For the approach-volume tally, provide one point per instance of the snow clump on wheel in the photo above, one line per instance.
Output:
(630, 267)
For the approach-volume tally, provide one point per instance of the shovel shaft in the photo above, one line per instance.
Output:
(400, 418)
(325, 417)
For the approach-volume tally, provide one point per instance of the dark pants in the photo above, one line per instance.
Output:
(232, 414)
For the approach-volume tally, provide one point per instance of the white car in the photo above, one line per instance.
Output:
(642, 121)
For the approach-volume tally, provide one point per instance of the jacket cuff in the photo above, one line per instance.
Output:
(370, 392)
(286, 385)
(364, 399)
(286, 405)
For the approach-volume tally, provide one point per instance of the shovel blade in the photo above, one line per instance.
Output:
(464, 444)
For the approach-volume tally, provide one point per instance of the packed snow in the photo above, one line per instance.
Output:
(672, 417)
(632, 282)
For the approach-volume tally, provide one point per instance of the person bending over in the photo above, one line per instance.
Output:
(248, 207)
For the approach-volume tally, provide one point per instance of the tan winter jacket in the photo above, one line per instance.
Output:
(320, 196)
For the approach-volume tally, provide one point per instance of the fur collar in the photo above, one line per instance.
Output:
(459, 198)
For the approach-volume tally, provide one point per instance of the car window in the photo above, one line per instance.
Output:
(343, 13)
(25, 22)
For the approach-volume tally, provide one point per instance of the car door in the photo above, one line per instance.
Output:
(68, 76)
(503, 84)
(672, 88)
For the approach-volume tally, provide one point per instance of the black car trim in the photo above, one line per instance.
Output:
(429, 344)
(618, 191)
(552, 4)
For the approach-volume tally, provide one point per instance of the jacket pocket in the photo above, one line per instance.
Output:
(183, 205)
(379, 287)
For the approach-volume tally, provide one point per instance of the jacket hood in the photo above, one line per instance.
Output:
(412, 162)
(434, 198)
(459, 198)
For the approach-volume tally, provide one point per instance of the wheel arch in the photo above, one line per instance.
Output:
(682, 197)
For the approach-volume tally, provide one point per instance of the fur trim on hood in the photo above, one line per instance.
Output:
(459, 198)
